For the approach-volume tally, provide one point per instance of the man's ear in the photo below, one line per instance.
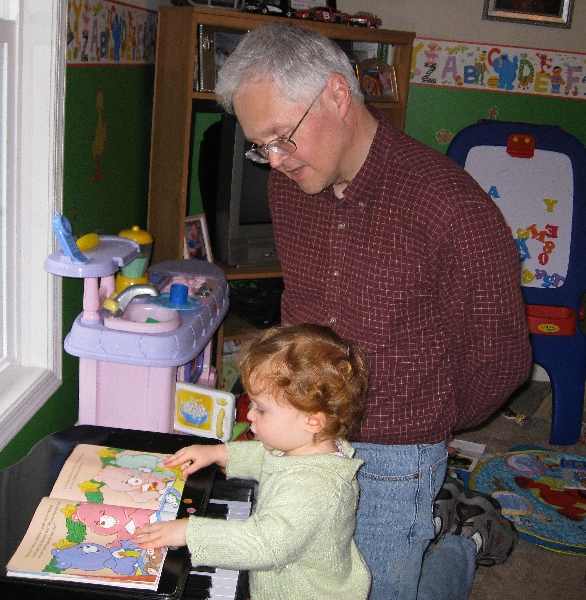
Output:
(340, 93)
(316, 423)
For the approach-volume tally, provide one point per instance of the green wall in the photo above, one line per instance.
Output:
(116, 201)
(434, 109)
(120, 198)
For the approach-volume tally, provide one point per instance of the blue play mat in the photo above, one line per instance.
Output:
(529, 485)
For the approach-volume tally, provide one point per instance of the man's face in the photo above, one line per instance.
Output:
(265, 114)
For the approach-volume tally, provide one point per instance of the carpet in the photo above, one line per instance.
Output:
(529, 484)
(528, 399)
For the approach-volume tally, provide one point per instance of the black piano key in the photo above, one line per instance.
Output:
(197, 581)
(231, 489)
(204, 569)
(216, 511)
(197, 587)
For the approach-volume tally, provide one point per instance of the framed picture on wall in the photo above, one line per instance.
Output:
(552, 13)
(196, 243)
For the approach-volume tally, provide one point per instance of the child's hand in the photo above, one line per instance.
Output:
(157, 535)
(200, 456)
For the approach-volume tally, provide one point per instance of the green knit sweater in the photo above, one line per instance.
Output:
(298, 542)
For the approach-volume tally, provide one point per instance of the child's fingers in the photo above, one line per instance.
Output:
(157, 535)
(145, 530)
(186, 454)
(150, 544)
(147, 537)
(175, 459)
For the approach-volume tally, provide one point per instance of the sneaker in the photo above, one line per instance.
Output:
(479, 516)
(444, 505)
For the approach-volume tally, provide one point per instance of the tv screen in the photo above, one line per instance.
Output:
(244, 230)
(254, 202)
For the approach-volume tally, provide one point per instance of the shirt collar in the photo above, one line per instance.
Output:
(362, 188)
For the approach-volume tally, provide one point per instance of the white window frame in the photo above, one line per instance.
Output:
(34, 36)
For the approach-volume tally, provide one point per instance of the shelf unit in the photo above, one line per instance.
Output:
(175, 102)
(234, 327)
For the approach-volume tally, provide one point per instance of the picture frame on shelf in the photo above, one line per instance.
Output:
(196, 243)
(215, 45)
(551, 13)
(378, 80)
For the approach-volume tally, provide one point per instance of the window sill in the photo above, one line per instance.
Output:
(24, 391)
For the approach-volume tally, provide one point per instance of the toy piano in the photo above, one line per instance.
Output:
(536, 174)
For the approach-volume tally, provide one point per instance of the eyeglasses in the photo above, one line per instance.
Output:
(280, 145)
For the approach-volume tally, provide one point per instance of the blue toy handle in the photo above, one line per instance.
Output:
(62, 229)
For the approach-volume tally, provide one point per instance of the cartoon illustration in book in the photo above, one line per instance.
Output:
(83, 530)
(142, 477)
(153, 558)
(147, 463)
(139, 485)
(79, 549)
(93, 557)
(109, 520)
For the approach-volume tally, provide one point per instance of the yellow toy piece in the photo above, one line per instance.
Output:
(110, 305)
(88, 241)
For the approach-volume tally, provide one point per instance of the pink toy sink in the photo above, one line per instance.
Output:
(134, 319)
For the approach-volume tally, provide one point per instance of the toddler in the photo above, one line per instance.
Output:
(307, 388)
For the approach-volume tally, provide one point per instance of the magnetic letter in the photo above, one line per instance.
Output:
(493, 192)
(522, 248)
(550, 204)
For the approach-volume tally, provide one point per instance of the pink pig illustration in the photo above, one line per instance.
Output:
(109, 520)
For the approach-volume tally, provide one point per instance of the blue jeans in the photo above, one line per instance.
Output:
(394, 525)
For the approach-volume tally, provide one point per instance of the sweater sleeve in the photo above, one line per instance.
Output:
(481, 299)
(244, 459)
(288, 517)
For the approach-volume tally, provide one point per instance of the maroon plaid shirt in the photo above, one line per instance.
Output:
(417, 267)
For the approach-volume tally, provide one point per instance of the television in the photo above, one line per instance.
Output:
(243, 227)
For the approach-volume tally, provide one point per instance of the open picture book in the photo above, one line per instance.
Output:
(83, 530)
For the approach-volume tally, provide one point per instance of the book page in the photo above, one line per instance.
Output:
(119, 477)
(87, 542)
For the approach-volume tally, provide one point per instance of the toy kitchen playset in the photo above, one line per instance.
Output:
(143, 338)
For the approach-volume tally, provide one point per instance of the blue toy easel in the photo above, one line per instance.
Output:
(536, 174)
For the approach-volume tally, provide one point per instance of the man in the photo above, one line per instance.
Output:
(398, 249)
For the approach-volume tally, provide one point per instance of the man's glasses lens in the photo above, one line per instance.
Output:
(260, 154)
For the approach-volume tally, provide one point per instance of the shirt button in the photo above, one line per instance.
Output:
(341, 225)
(333, 320)
(336, 273)
(361, 204)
